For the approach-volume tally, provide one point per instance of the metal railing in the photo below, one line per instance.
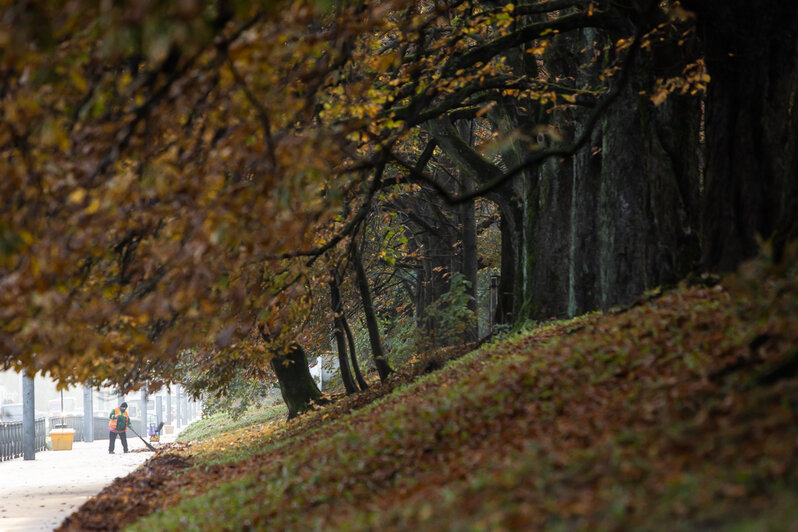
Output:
(11, 433)
(100, 426)
(11, 438)
(69, 422)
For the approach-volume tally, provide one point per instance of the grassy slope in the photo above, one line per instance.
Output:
(220, 423)
(679, 414)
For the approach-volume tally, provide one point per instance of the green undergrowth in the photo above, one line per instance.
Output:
(677, 414)
(222, 423)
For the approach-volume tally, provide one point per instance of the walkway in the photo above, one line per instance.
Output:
(36, 495)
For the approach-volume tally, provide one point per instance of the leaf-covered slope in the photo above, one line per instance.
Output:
(679, 413)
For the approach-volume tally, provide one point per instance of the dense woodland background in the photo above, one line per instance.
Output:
(212, 191)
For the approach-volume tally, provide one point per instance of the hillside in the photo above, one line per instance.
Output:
(678, 413)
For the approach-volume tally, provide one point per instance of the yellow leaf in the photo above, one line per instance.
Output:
(93, 207)
(485, 109)
(537, 50)
(77, 195)
(659, 97)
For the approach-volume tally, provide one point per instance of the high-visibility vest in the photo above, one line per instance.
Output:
(115, 415)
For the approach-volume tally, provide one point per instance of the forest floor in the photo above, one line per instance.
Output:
(677, 413)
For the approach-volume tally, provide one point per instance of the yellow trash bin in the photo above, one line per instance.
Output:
(62, 439)
(168, 429)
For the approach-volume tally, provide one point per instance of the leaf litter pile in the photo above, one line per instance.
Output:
(679, 413)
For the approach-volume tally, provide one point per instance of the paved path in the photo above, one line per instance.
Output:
(36, 495)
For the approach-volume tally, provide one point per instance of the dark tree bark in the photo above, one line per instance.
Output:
(383, 368)
(547, 206)
(619, 219)
(350, 340)
(622, 205)
(510, 118)
(751, 181)
(510, 262)
(468, 236)
(338, 330)
(548, 218)
(647, 232)
(512, 199)
(297, 386)
(583, 275)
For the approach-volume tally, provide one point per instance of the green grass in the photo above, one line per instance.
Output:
(222, 423)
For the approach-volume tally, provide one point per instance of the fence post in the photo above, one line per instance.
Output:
(88, 414)
(28, 419)
(41, 434)
(158, 409)
(177, 406)
(169, 407)
(144, 422)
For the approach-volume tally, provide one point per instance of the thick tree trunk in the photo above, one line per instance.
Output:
(548, 207)
(751, 183)
(648, 206)
(583, 267)
(583, 272)
(297, 386)
(622, 241)
(383, 368)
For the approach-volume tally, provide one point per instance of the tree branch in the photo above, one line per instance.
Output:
(461, 153)
(263, 114)
(538, 157)
(528, 33)
(351, 225)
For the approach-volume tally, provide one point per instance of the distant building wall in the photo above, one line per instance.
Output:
(325, 369)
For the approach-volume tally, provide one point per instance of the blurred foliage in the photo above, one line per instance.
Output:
(241, 395)
(177, 174)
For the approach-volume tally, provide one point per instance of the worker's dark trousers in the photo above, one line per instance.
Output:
(122, 438)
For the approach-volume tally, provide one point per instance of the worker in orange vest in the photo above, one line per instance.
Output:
(118, 424)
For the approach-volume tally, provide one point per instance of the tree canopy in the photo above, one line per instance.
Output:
(181, 176)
